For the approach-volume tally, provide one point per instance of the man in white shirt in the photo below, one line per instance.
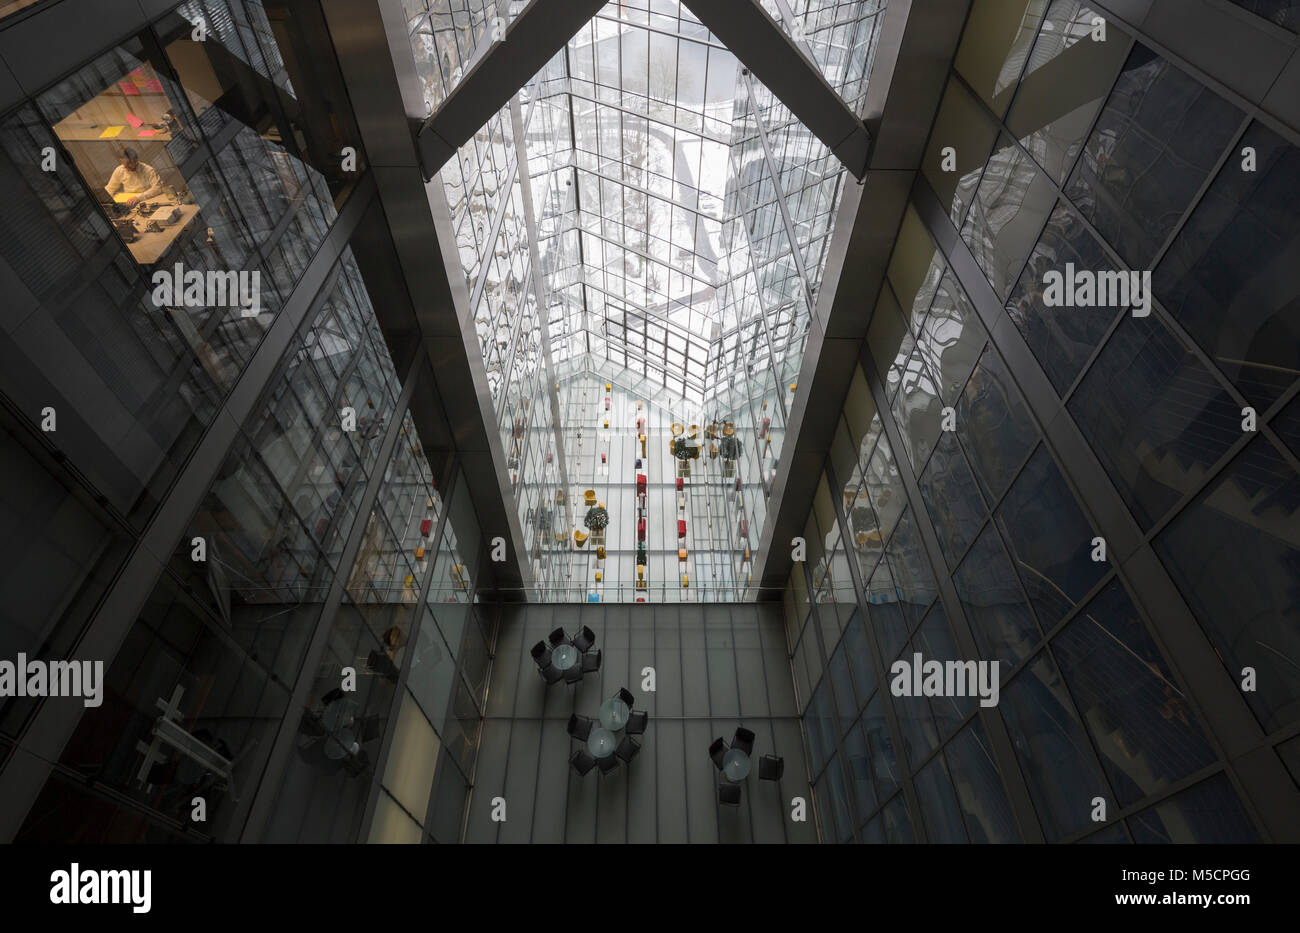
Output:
(137, 179)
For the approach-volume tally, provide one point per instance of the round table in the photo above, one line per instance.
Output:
(601, 742)
(614, 714)
(564, 657)
(735, 764)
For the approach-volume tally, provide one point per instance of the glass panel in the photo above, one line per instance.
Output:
(943, 821)
(935, 642)
(1049, 539)
(1153, 415)
(1007, 215)
(1156, 140)
(1138, 716)
(1061, 337)
(1230, 277)
(994, 47)
(952, 499)
(995, 607)
(858, 764)
(1058, 763)
(1207, 813)
(880, 749)
(951, 338)
(1068, 76)
(967, 127)
(979, 787)
(1233, 555)
(858, 654)
(834, 809)
(994, 425)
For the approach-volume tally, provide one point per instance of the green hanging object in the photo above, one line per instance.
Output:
(683, 450)
(597, 518)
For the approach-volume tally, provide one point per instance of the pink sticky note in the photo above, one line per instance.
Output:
(129, 88)
(143, 133)
(154, 86)
(134, 120)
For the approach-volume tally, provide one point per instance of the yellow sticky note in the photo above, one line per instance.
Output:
(111, 131)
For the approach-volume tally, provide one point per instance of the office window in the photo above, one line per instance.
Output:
(1140, 720)
(1062, 338)
(979, 786)
(1230, 277)
(995, 46)
(951, 338)
(990, 593)
(1068, 76)
(1207, 813)
(1157, 139)
(1005, 218)
(1237, 571)
(1154, 416)
(952, 498)
(939, 812)
(993, 425)
(967, 127)
(1055, 756)
(1049, 539)
(935, 642)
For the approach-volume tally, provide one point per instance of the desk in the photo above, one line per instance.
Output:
(735, 765)
(614, 714)
(148, 248)
(564, 657)
(601, 743)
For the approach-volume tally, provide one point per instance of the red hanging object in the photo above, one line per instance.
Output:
(679, 484)
(767, 423)
(640, 484)
(640, 529)
(426, 526)
(737, 484)
(744, 527)
(602, 458)
(681, 528)
(606, 403)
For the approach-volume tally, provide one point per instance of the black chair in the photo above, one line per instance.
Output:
(552, 674)
(584, 639)
(729, 794)
(590, 662)
(625, 695)
(744, 740)
(541, 653)
(579, 727)
(558, 637)
(573, 674)
(636, 722)
(715, 752)
(627, 748)
(770, 768)
(582, 761)
(607, 764)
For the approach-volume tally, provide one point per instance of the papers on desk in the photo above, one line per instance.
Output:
(111, 131)
(134, 120)
(142, 134)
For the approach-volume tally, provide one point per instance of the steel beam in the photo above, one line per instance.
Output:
(763, 47)
(527, 43)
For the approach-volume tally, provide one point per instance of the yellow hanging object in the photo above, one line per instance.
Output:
(686, 580)
(600, 552)
(694, 431)
(598, 577)
(580, 538)
(640, 572)
(713, 451)
(793, 386)
(746, 553)
(607, 387)
(410, 580)
(589, 497)
(729, 429)
(638, 404)
(677, 429)
(606, 424)
(642, 445)
(419, 553)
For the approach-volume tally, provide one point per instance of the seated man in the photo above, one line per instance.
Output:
(136, 179)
